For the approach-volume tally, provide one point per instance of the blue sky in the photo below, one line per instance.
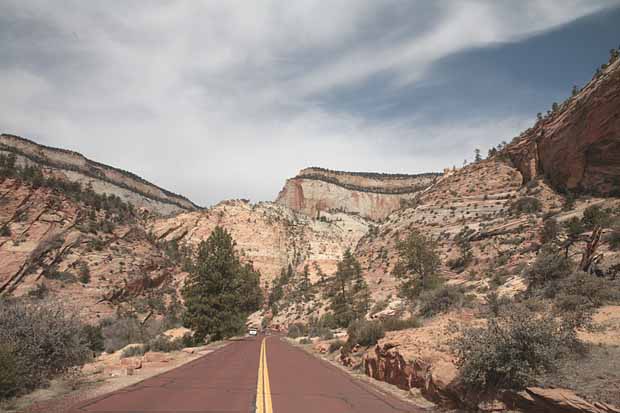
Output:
(219, 100)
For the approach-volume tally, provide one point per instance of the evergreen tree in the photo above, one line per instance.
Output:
(417, 265)
(349, 294)
(477, 157)
(305, 286)
(220, 291)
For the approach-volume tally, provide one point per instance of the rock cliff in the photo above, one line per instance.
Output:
(577, 146)
(371, 195)
(269, 235)
(103, 179)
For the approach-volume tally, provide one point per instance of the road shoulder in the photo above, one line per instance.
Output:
(412, 397)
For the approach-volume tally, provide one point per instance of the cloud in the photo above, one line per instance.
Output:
(226, 99)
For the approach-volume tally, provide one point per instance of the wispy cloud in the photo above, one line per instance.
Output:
(226, 99)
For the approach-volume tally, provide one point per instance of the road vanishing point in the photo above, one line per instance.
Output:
(254, 374)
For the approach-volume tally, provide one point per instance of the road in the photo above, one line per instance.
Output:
(262, 375)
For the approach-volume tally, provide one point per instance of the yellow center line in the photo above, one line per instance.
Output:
(263, 388)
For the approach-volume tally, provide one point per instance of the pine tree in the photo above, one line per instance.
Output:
(305, 285)
(417, 265)
(477, 157)
(220, 291)
(349, 294)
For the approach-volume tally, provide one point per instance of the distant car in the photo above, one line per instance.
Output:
(253, 332)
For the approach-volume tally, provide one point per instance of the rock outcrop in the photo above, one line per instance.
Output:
(371, 195)
(54, 246)
(269, 235)
(102, 178)
(577, 146)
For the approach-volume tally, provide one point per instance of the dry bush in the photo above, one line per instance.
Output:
(38, 341)
(509, 352)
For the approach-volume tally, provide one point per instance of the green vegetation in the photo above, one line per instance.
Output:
(348, 292)
(417, 265)
(442, 299)
(296, 330)
(550, 231)
(84, 273)
(335, 346)
(365, 333)
(118, 210)
(510, 351)
(462, 240)
(396, 324)
(220, 291)
(546, 271)
(526, 205)
(37, 342)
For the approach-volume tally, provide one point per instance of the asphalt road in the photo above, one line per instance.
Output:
(262, 375)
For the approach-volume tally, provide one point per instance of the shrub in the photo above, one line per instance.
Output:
(379, 306)
(526, 205)
(614, 239)
(296, 330)
(137, 350)
(595, 216)
(322, 327)
(164, 344)
(94, 338)
(335, 346)
(550, 231)
(547, 269)
(9, 382)
(40, 291)
(38, 341)
(509, 352)
(61, 276)
(496, 304)
(5, 231)
(121, 332)
(305, 340)
(365, 333)
(580, 294)
(84, 272)
(441, 300)
(396, 324)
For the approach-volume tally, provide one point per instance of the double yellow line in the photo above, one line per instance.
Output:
(263, 389)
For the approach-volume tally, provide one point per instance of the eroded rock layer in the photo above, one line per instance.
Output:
(577, 146)
(371, 195)
(102, 178)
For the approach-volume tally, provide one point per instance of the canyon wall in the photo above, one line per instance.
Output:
(577, 146)
(269, 235)
(103, 179)
(371, 195)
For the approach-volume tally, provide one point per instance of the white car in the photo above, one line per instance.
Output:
(253, 332)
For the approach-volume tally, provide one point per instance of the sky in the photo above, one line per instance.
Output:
(226, 99)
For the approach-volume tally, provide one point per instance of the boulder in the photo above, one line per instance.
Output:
(156, 357)
(554, 400)
(133, 362)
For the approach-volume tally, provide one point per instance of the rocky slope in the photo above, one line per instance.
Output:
(55, 247)
(103, 179)
(577, 146)
(371, 195)
(270, 235)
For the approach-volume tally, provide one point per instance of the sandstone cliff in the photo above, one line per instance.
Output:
(577, 146)
(53, 246)
(103, 179)
(269, 235)
(371, 195)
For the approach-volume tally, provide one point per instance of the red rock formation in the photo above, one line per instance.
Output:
(370, 195)
(578, 146)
